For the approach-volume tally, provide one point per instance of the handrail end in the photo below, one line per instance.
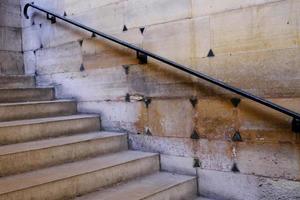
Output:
(26, 9)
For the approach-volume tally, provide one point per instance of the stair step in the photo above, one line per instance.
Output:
(26, 94)
(203, 198)
(68, 180)
(22, 157)
(34, 129)
(16, 81)
(158, 186)
(31, 110)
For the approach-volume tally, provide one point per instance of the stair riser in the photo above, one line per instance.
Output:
(184, 191)
(17, 134)
(85, 183)
(35, 159)
(21, 95)
(31, 111)
(16, 82)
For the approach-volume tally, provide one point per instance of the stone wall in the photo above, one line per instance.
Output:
(11, 57)
(256, 47)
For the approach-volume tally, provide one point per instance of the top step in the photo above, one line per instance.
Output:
(16, 81)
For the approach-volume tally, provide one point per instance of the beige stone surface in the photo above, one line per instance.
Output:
(142, 13)
(101, 84)
(10, 14)
(69, 180)
(228, 185)
(270, 160)
(272, 26)
(11, 62)
(30, 156)
(31, 110)
(66, 58)
(157, 186)
(11, 39)
(170, 118)
(34, 129)
(210, 7)
(26, 94)
(16, 81)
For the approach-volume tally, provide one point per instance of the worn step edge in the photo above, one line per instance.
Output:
(147, 187)
(17, 81)
(55, 142)
(36, 109)
(36, 102)
(45, 120)
(38, 181)
(22, 157)
(34, 129)
(26, 94)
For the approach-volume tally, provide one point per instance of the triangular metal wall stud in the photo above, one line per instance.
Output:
(93, 35)
(237, 137)
(81, 68)
(125, 28)
(235, 168)
(235, 102)
(197, 163)
(195, 135)
(148, 132)
(127, 97)
(142, 29)
(210, 53)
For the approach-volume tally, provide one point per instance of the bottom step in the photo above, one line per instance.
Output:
(81, 177)
(159, 186)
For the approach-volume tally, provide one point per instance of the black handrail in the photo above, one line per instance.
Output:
(142, 55)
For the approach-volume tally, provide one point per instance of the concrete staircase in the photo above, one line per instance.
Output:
(49, 151)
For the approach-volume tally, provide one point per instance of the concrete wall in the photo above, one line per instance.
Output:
(256, 46)
(11, 57)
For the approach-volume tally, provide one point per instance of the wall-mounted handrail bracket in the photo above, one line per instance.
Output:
(143, 58)
(51, 18)
(296, 125)
(143, 55)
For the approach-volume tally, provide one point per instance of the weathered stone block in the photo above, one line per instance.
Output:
(90, 85)
(142, 13)
(209, 7)
(227, 185)
(10, 14)
(65, 58)
(171, 118)
(271, 160)
(254, 116)
(11, 62)
(272, 26)
(10, 39)
(215, 118)
(116, 115)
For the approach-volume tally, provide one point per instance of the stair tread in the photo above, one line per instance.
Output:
(139, 188)
(203, 198)
(56, 173)
(52, 142)
(37, 102)
(27, 88)
(15, 75)
(45, 120)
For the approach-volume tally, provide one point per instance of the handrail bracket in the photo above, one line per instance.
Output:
(51, 18)
(143, 58)
(296, 125)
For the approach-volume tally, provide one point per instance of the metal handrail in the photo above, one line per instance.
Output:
(142, 54)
